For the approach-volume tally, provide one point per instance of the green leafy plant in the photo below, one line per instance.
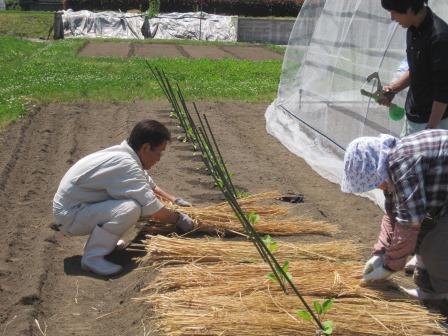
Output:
(270, 243)
(285, 268)
(242, 193)
(253, 217)
(321, 310)
(154, 8)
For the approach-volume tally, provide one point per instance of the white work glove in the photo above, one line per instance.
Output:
(184, 223)
(374, 270)
(181, 202)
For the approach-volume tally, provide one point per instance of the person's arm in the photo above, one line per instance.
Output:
(385, 236)
(173, 199)
(166, 216)
(438, 109)
(162, 193)
(402, 245)
(392, 89)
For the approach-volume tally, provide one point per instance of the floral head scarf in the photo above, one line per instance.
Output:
(365, 163)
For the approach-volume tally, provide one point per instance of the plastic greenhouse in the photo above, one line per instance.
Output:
(334, 46)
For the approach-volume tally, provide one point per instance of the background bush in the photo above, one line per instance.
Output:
(225, 7)
(12, 4)
(115, 5)
(235, 7)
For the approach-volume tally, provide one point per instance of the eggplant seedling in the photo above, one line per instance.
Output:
(253, 217)
(242, 193)
(283, 275)
(321, 310)
(270, 243)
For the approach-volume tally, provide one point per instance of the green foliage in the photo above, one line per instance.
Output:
(52, 71)
(242, 193)
(235, 7)
(270, 243)
(12, 4)
(320, 310)
(253, 217)
(285, 268)
(115, 5)
(328, 327)
(154, 8)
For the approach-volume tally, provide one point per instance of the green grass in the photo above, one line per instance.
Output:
(25, 24)
(51, 72)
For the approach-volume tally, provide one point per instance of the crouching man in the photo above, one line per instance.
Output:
(413, 173)
(105, 193)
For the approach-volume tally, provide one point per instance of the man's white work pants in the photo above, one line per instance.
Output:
(114, 216)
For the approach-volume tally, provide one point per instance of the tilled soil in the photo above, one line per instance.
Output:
(40, 275)
(155, 50)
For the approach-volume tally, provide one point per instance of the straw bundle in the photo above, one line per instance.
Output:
(254, 203)
(312, 277)
(162, 249)
(265, 313)
(220, 219)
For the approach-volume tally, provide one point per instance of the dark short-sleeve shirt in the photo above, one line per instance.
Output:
(427, 53)
(418, 168)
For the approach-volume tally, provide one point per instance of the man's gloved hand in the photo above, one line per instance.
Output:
(374, 269)
(184, 223)
(181, 202)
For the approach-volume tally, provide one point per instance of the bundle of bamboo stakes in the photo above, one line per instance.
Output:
(314, 277)
(220, 219)
(187, 312)
(162, 250)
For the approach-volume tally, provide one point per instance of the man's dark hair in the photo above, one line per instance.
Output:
(402, 6)
(148, 131)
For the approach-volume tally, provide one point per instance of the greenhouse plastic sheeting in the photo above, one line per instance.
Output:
(333, 47)
(165, 26)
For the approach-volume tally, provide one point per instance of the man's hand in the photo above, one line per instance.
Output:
(374, 270)
(387, 96)
(181, 202)
(184, 223)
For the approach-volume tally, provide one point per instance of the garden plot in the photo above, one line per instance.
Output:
(159, 50)
(225, 282)
(38, 149)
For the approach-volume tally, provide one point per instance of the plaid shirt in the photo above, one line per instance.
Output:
(418, 167)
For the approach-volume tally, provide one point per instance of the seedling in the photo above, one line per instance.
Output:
(242, 193)
(202, 136)
(253, 217)
(321, 310)
(284, 274)
(270, 243)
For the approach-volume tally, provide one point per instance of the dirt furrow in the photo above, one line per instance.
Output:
(40, 275)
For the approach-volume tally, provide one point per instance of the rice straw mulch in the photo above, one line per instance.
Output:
(312, 277)
(162, 250)
(187, 312)
(220, 219)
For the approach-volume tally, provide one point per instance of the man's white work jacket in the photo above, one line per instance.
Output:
(112, 173)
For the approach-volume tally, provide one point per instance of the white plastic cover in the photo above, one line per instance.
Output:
(333, 47)
(164, 26)
(85, 23)
(196, 26)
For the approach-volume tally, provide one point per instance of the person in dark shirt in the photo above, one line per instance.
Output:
(427, 56)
